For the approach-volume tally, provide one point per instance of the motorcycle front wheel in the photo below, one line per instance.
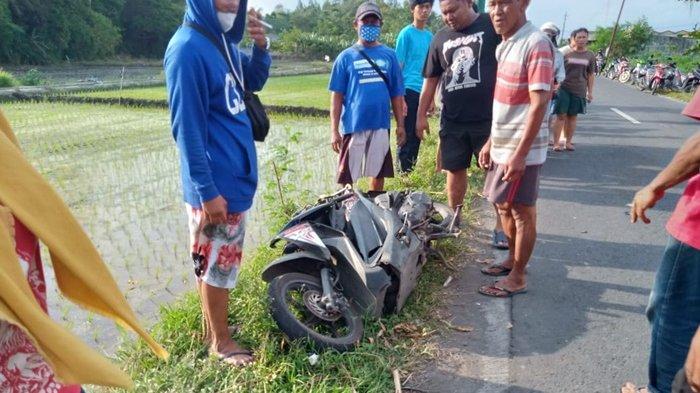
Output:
(655, 87)
(295, 302)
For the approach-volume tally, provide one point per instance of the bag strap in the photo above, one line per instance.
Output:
(222, 49)
(375, 66)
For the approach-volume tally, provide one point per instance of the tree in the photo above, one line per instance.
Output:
(148, 25)
(631, 38)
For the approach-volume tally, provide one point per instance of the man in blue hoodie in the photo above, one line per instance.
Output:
(206, 76)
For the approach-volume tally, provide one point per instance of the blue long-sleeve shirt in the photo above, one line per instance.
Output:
(208, 117)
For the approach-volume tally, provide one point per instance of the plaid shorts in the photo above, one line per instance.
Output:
(217, 250)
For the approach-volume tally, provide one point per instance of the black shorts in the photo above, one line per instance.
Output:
(460, 141)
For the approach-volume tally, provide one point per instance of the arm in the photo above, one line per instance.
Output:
(427, 98)
(189, 100)
(397, 105)
(336, 110)
(591, 79)
(540, 73)
(539, 101)
(401, 49)
(256, 69)
(685, 164)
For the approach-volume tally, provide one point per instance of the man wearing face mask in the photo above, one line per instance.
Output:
(206, 77)
(366, 78)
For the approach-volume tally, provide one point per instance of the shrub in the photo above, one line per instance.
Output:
(32, 77)
(7, 79)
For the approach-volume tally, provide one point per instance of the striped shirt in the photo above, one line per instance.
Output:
(525, 64)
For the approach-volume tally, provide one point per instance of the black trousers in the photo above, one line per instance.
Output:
(408, 153)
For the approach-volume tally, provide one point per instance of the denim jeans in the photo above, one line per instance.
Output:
(674, 313)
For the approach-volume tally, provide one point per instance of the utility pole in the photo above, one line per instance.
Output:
(612, 38)
(563, 27)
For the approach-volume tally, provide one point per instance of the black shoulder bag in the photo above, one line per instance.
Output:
(254, 107)
(375, 66)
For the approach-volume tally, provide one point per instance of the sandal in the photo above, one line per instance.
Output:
(496, 270)
(629, 387)
(500, 241)
(499, 291)
(228, 358)
(570, 147)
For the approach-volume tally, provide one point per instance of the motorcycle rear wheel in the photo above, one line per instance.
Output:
(624, 77)
(290, 307)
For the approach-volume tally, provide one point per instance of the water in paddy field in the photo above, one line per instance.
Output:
(118, 171)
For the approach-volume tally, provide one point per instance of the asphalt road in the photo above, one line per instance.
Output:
(581, 327)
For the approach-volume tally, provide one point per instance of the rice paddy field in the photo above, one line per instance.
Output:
(117, 168)
(300, 91)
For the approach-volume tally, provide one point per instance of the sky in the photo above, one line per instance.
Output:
(662, 14)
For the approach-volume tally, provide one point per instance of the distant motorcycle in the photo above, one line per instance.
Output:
(623, 71)
(351, 255)
(691, 81)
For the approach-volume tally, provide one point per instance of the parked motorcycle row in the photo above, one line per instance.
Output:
(652, 76)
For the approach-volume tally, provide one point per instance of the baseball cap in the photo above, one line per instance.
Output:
(368, 8)
(693, 108)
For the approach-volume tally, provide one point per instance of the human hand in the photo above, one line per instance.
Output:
(431, 109)
(336, 141)
(589, 97)
(485, 156)
(215, 210)
(692, 364)
(644, 199)
(400, 136)
(255, 29)
(515, 168)
(422, 126)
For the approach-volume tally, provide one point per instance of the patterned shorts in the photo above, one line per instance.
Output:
(217, 250)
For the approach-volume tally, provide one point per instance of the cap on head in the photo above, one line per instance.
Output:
(550, 28)
(368, 8)
(693, 108)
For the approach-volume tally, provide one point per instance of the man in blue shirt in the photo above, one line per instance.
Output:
(365, 80)
(412, 46)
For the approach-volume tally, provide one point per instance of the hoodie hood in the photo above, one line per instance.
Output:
(203, 13)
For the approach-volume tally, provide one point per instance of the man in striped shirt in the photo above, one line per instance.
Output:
(518, 145)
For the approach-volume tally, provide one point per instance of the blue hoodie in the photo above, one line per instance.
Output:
(207, 113)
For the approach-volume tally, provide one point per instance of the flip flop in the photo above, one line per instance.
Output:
(494, 290)
(223, 357)
(570, 147)
(500, 241)
(500, 270)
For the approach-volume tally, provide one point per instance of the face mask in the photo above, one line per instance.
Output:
(370, 33)
(226, 20)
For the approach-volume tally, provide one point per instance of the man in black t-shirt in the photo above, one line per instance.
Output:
(463, 57)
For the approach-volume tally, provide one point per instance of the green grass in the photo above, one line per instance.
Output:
(679, 95)
(300, 90)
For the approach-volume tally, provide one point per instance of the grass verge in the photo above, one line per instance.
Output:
(395, 342)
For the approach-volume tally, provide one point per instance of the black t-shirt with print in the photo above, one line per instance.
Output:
(466, 60)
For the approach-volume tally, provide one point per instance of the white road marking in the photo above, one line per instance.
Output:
(626, 116)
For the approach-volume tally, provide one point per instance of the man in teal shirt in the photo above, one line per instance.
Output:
(412, 46)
